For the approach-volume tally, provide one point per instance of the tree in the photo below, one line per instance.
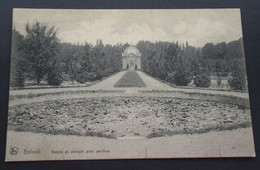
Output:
(235, 49)
(221, 50)
(196, 67)
(209, 51)
(171, 55)
(18, 63)
(182, 76)
(41, 49)
(238, 79)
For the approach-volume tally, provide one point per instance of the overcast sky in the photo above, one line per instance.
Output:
(120, 26)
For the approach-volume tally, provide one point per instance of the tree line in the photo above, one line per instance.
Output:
(180, 63)
(39, 55)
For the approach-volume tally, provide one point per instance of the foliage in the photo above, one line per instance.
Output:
(238, 79)
(87, 62)
(183, 75)
(40, 48)
(71, 56)
(85, 77)
(236, 82)
(166, 61)
(182, 78)
(202, 80)
(18, 64)
(39, 55)
(178, 63)
(54, 78)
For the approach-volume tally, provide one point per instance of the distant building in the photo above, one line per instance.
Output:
(131, 58)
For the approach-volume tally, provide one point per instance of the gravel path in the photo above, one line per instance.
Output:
(153, 84)
(107, 84)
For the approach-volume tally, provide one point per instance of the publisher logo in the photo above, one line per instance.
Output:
(13, 150)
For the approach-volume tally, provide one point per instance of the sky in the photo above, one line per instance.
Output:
(197, 26)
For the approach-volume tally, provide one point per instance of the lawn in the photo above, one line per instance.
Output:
(114, 117)
(130, 79)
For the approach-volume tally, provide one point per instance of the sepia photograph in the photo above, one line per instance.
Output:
(127, 84)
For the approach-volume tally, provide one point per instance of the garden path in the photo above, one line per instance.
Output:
(153, 84)
(108, 84)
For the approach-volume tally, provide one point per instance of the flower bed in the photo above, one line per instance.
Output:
(114, 117)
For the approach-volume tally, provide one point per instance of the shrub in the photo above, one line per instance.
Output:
(237, 82)
(202, 80)
(80, 78)
(54, 78)
(182, 74)
(85, 76)
(182, 78)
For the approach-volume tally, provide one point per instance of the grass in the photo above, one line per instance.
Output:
(30, 95)
(130, 79)
(194, 87)
(44, 85)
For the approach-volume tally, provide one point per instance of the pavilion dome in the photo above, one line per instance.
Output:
(131, 50)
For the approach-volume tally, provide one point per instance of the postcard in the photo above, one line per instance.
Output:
(127, 84)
